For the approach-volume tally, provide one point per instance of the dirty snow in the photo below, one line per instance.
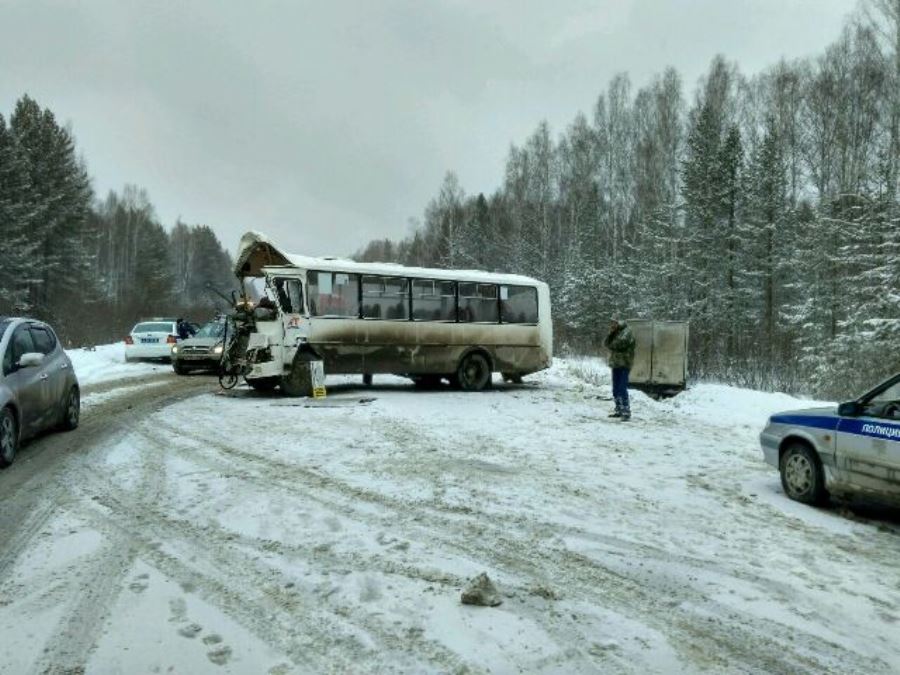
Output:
(236, 532)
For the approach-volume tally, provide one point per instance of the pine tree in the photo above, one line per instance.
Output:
(730, 195)
(58, 201)
(763, 238)
(18, 268)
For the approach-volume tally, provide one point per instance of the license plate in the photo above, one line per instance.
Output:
(149, 340)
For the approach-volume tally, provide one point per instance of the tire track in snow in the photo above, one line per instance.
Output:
(36, 490)
(265, 614)
(99, 582)
(288, 481)
(23, 532)
(751, 643)
(27, 487)
(99, 579)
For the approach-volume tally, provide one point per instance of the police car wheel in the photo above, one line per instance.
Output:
(801, 475)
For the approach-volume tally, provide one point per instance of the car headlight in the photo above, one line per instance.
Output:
(174, 350)
(217, 349)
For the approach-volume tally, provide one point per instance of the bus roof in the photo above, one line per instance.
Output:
(256, 252)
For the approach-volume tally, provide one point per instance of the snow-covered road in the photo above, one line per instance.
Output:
(251, 534)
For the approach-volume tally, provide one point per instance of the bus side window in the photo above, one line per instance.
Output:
(478, 303)
(518, 304)
(372, 294)
(433, 300)
(385, 297)
(448, 300)
(422, 299)
(333, 294)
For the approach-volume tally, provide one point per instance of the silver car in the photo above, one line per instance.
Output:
(203, 351)
(851, 450)
(38, 387)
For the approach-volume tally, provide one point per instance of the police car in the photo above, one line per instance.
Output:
(152, 339)
(851, 450)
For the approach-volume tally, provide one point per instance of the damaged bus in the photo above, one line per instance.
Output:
(371, 318)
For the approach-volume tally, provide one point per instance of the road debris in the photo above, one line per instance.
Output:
(481, 592)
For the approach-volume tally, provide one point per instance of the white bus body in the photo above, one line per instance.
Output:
(370, 318)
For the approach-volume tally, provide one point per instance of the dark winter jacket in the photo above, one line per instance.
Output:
(184, 330)
(620, 343)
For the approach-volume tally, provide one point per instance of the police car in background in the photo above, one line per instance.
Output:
(152, 339)
(851, 450)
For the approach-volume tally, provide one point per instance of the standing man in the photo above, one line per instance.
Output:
(183, 329)
(620, 343)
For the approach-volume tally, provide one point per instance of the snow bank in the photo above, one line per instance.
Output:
(728, 406)
(105, 363)
(718, 404)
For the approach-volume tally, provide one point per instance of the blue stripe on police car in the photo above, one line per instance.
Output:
(844, 425)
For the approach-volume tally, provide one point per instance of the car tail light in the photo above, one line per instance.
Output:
(129, 340)
(171, 340)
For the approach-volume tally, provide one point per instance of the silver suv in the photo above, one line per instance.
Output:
(203, 351)
(38, 387)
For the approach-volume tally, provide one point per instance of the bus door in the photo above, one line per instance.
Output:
(288, 292)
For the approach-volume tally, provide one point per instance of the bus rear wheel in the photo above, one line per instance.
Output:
(474, 372)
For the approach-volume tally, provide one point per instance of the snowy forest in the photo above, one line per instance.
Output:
(91, 268)
(762, 208)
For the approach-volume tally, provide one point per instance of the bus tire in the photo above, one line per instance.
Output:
(474, 372)
(298, 382)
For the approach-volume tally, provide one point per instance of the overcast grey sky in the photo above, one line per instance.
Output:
(325, 124)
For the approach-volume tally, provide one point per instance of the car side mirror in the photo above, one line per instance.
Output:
(850, 409)
(30, 360)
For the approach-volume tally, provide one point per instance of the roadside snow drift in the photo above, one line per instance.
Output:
(237, 533)
(106, 363)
